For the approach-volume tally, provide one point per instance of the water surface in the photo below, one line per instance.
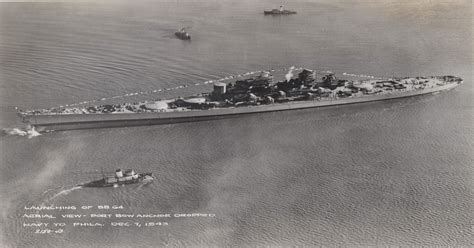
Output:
(389, 173)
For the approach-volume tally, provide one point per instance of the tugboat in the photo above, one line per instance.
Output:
(182, 34)
(120, 178)
(280, 11)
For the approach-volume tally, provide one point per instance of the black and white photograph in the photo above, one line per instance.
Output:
(236, 123)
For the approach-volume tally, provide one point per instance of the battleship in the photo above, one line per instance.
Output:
(128, 176)
(253, 95)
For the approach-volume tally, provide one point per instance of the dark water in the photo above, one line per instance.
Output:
(390, 173)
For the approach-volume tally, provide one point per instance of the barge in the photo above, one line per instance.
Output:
(249, 96)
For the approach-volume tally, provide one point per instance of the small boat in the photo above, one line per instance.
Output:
(182, 34)
(120, 178)
(280, 11)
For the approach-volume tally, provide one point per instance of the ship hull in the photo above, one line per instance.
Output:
(182, 36)
(284, 12)
(88, 121)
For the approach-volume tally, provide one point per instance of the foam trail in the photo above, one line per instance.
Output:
(14, 131)
(30, 133)
(145, 183)
(65, 192)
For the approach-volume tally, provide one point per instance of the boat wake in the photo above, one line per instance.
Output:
(145, 183)
(50, 195)
(29, 132)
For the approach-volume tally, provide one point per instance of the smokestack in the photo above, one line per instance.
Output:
(289, 75)
(119, 173)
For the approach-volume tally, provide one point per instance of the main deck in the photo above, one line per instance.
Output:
(59, 122)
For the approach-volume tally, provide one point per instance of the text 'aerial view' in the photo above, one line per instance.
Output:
(202, 123)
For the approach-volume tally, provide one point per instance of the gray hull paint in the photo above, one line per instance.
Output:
(87, 121)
